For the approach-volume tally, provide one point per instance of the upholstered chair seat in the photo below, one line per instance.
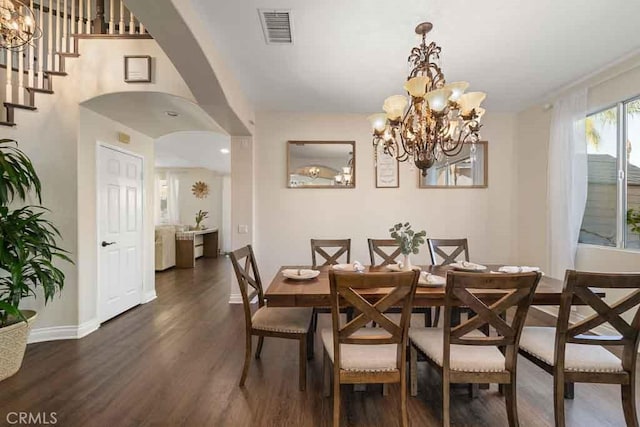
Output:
(276, 319)
(363, 358)
(463, 357)
(540, 342)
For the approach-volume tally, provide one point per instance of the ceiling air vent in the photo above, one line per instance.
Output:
(276, 26)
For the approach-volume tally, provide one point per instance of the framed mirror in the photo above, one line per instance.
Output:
(321, 164)
(468, 169)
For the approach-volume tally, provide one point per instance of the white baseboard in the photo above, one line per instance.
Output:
(149, 296)
(63, 332)
(74, 332)
(235, 299)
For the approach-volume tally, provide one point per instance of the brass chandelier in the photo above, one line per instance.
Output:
(440, 119)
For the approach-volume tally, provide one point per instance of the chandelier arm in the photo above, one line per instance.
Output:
(422, 134)
(458, 149)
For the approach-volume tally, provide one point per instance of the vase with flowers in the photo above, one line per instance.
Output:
(409, 242)
(200, 216)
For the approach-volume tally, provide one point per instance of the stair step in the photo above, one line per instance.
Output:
(55, 73)
(39, 90)
(21, 106)
(7, 124)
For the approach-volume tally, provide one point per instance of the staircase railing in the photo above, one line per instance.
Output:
(61, 23)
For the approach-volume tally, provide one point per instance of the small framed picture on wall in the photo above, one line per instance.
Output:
(387, 170)
(137, 69)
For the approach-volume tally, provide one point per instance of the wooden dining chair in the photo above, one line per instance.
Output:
(463, 354)
(319, 246)
(354, 354)
(573, 354)
(447, 251)
(339, 247)
(390, 256)
(289, 323)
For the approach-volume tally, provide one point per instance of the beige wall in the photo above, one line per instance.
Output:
(287, 218)
(50, 136)
(95, 129)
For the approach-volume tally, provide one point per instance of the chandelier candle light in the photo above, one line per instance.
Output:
(440, 117)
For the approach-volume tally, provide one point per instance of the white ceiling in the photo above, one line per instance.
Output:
(193, 150)
(348, 56)
(146, 112)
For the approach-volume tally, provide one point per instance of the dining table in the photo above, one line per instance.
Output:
(284, 292)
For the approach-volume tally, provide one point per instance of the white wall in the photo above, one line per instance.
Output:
(287, 218)
(94, 129)
(49, 136)
(190, 204)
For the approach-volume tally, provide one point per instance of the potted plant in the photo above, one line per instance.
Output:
(27, 252)
(409, 242)
(633, 219)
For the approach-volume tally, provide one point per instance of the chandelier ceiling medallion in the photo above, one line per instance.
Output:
(440, 117)
(17, 25)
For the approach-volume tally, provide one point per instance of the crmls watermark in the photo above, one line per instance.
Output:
(32, 418)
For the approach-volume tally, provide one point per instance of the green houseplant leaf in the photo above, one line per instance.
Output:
(28, 241)
(408, 239)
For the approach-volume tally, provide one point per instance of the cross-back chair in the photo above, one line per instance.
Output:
(445, 252)
(388, 251)
(572, 354)
(462, 354)
(448, 250)
(339, 248)
(360, 355)
(319, 247)
(388, 256)
(289, 323)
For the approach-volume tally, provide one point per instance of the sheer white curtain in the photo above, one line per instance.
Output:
(173, 198)
(567, 181)
(157, 210)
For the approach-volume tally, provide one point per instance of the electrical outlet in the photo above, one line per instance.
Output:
(243, 229)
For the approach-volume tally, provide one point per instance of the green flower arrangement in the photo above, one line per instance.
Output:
(408, 239)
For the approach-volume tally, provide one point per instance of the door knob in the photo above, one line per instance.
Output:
(104, 244)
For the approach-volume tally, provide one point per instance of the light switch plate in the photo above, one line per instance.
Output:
(243, 229)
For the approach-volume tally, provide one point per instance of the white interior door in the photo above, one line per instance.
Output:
(119, 231)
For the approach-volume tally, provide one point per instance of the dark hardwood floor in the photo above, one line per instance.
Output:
(177, 361)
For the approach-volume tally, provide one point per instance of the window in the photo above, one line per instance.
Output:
(612, 213)
(164, 205)
(632, 134)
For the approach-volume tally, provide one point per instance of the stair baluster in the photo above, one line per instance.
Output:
(81, 17)
(132, 23)
(20, 78)
(65, 27)
(40, 51)
(88, 29)
(30, 51)
(111, 14)
(72, 27)
(9, 62)
(121, 27)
